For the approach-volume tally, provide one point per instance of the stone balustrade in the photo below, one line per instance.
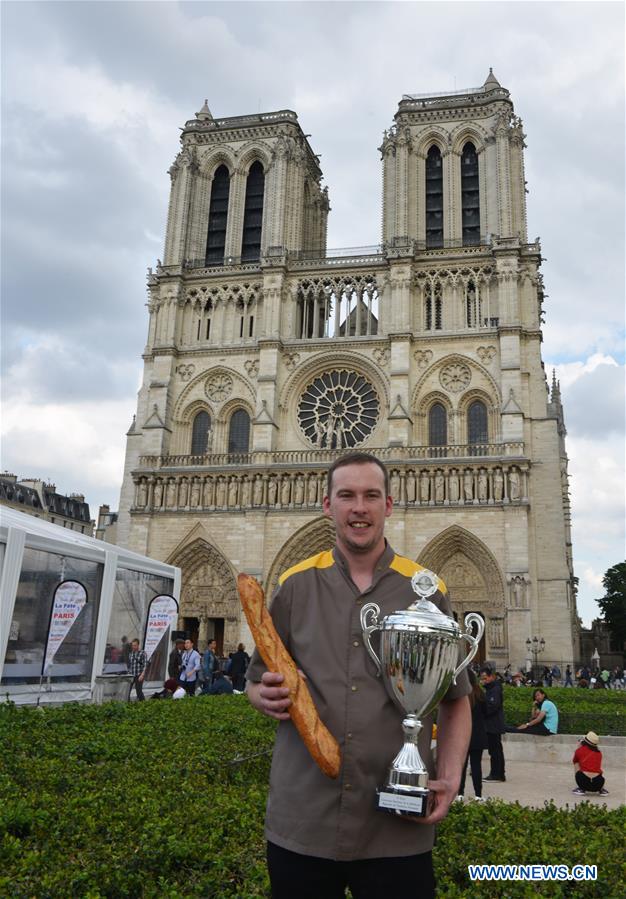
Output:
(437, 484)
(390, 455)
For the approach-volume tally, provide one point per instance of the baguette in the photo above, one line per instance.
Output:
(317, 738)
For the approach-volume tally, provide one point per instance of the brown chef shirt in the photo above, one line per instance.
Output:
(316, 612)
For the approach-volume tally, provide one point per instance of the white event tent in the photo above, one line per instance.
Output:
(70, 606)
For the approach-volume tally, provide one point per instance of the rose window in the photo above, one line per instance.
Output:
(218, 387)
(338, 409)
(455, 377)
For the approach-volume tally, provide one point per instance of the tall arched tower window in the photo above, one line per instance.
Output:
(470, 202)
(239, 432)
(477, 423)
(437, 425)
(253, 214)
(434, 198)
(218, 214)
(200, 434)
(433, 308)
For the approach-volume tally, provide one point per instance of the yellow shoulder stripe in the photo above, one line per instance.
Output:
(321, 560)
(408, 568)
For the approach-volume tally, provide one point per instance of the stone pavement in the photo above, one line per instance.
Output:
(531, 783)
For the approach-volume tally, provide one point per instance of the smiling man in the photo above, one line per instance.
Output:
(325, 835)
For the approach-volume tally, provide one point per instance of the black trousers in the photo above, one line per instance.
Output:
(589, 784)
(138, 685)
(474, 757)
(295, 876)
(496, 755)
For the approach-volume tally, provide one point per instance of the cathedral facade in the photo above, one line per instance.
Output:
(267, 356)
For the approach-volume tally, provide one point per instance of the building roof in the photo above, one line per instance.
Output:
(40, 534)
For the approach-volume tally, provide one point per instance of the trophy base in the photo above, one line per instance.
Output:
(413, 804)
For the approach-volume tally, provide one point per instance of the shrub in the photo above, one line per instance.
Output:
(166, 800)
(603, 711)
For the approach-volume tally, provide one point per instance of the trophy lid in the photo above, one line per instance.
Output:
(422, 612)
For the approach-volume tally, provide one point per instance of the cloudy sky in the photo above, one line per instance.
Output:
(93, 95)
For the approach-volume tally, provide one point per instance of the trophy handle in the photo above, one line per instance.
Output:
(470, 619)
(370, 609)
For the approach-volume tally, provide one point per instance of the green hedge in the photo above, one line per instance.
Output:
(93, 801)
(603, 711)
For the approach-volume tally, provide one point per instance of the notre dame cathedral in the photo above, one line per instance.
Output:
(267, 355)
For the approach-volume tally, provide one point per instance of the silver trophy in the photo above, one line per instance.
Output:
(418, 662)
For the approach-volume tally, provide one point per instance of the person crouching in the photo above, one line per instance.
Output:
(588, 766)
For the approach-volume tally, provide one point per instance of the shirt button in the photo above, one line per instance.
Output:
(347, 786)
(348, 736)
(356, 643)
(353, 688)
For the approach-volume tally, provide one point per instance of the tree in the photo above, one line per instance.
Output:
(613, 603)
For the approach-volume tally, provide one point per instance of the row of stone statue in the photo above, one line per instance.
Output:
(426, 487)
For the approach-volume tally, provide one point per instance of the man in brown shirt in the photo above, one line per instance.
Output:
(323, 834)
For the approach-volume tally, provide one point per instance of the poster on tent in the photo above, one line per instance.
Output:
(162, 614)
(70, 598)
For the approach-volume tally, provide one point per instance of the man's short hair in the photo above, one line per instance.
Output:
(356, 459)
(486, 669)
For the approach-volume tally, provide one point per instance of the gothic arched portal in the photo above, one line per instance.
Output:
(208, 594)
(473, 578)
(313, 538)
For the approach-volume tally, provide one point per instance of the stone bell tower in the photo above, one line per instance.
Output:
(267, 355)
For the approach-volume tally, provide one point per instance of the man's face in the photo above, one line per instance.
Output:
(134, 645)
(213, 645)
(358, 507)
(188, 644)
(487, 678)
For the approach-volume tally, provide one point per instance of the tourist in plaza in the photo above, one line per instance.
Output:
(325, 834)
(137, 664)
(210, 663)
(568, 677)
(172, 689)
(588, 767)
(190, 667)
(494, 722)
(478, 740)
(544, 718)
(175, 660)
(238, 665)
(221, 684)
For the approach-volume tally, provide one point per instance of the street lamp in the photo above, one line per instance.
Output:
(536, 646)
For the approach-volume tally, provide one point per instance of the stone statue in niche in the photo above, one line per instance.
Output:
(299, 491)
(453, 486)
(482, 486)
(208, 492)
(394, 484)
(246, 487)
(312, 490)
(195, 493)
(232, 492)
(496, 632)
(514, 484)
(183, 492)
(468, 486)
(439, 487)
(272, 492)
(171, 494)
(158, 494)
(411, 487)
(257, 493)
(498, 485)
(142, 494)
(285, 491)
(424, 487)
(220, 499)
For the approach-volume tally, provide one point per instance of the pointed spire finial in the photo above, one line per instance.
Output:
(205, 113)
(491, 80)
